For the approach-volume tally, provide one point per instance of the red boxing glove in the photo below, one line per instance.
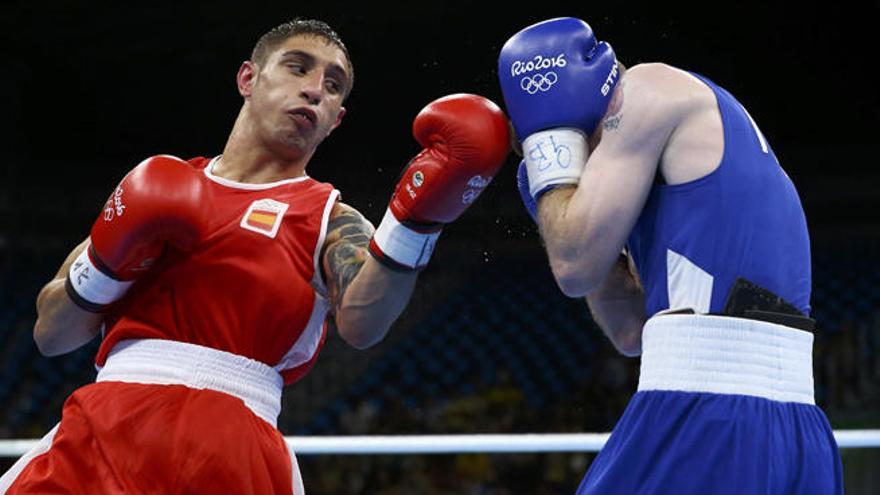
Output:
(466, 140)
(158, 202)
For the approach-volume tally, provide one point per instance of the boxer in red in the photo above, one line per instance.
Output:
(212, 280)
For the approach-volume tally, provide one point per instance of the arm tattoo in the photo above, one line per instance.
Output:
(612, 123)
(345, 251)
(615, 110)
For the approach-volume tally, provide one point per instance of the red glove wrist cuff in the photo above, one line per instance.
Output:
(395, 242)
(89, 287)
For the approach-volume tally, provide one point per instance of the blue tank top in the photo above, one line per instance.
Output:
(744, 219)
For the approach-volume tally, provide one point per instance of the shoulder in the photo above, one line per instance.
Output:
(663, 87)
(343, 210)
(345, 220)
(654, 98)
(659, 76)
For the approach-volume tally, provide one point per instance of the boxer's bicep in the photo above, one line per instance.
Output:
(345, 250)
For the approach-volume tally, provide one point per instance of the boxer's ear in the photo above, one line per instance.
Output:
(338, 120)
(246, 77)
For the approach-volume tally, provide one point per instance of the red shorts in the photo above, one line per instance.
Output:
(124, 437)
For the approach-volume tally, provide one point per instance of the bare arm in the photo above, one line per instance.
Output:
(585, 227)
(61, 325)
(618, 306)
(367, 297)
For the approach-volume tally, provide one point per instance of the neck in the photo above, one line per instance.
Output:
(249, 159)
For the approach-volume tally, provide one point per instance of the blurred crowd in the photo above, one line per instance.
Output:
(846, 368)
(847, 373)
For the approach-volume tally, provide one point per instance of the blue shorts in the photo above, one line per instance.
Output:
(724, 406)
(697, 443)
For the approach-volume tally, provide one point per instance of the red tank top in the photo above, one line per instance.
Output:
(252, 287)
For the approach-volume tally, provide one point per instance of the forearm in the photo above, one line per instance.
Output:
(554, 224)
(372, 302)
(61, 325)
(579, 255)
(367, 296)
(618, 306)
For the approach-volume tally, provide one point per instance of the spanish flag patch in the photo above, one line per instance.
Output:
(264, 216)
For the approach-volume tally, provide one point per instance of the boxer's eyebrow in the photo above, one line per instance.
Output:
(298, 54)
(311, 59)
(333, 68)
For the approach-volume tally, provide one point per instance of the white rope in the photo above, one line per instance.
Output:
(456, 444)
(449, 444)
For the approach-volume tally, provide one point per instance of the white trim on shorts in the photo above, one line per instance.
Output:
(167, 362)
(296, 478)
(40, 448)
(724, 355)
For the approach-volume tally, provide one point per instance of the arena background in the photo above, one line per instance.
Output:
(488, 344)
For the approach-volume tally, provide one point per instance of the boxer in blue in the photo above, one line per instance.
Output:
(659, 199)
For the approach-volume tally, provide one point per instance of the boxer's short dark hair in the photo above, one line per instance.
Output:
(300, 27)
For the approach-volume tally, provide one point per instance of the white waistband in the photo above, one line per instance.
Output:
(166, 362)
(723, 355)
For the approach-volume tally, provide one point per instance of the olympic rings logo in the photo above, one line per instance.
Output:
(538, 82)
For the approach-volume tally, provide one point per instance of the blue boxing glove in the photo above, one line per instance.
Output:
(557, 81)
(522, 183)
